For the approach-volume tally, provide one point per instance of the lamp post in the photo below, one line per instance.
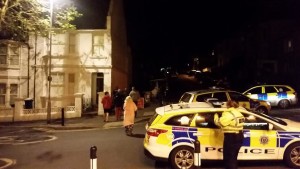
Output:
(49, 65)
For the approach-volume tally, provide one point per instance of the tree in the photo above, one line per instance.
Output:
(19, 18)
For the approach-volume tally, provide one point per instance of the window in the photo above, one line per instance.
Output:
(270, 89)
(205, 120)
(3, 54)
(14, 55)
(283, 89)
(255, 123)
(256, 90)
(72, 43)
(238, 97)
(57, 85)
(9, 54)
(58, 44)
(186, 97)
(221, 96)
(98, 44)
(176, 120)
(203, 97)
(2, 93)
(13, 92)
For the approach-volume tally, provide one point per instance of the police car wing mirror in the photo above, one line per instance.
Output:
(271, 126)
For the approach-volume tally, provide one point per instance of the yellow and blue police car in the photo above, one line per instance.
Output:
(224, 95)
(173, 129)
(282, 96)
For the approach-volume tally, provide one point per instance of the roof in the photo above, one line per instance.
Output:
(184, 106)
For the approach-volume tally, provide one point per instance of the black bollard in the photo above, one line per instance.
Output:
(62, 116)
(197, 154)
(93, 157)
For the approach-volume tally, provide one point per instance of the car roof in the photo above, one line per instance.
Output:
(209, 90)
(271, 85)
(168, 109)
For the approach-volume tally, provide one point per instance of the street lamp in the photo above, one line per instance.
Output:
(49, 65)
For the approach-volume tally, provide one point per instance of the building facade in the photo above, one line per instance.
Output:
(81, 61)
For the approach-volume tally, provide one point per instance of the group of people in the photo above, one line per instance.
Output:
(122, 104)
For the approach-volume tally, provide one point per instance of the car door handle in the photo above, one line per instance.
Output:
(197, 134)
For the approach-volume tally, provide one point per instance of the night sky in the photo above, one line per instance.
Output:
(170, 32)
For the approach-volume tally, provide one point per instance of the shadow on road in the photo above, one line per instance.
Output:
(138, 135)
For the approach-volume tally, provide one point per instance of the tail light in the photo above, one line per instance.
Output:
(155, 132)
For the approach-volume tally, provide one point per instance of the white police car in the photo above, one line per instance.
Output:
(171, 132)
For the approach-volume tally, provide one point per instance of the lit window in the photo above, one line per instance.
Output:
(2, 93)
(13, 92)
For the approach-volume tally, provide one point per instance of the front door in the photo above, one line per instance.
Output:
(97, 86)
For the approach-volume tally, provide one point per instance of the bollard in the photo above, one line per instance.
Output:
(197, 154)
(62, 116)
(93, 157)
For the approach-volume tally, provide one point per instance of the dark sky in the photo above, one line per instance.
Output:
(172, 32)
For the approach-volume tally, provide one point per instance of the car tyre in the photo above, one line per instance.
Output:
(182, 157)
(284, 104)
(292, 155)
(262, 110)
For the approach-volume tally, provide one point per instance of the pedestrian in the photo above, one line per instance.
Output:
(231, 122)
(107, 105)
(129, 109)
(135, 95)
(118, 103)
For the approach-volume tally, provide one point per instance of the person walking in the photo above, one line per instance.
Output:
(129, 109)
(231, 122)
(118, 103)
(135, 95)
(107, 104)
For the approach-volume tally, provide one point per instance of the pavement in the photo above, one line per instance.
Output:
(90, 120)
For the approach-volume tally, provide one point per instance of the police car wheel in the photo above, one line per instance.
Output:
(182, 157)
(284, 104)
(292, 155)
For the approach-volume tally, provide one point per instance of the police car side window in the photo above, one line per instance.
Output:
(255, 123)
(221, 96)
(270, 89)
(205, 120)
(203, 97)
(282, 89)
(176, 120)
(256, 90)
(238, 97)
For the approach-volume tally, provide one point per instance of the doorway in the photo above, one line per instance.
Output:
(97, 86)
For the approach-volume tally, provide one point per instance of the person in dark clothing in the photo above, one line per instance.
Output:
(118, 103)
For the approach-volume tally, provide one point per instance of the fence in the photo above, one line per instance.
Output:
(18, 113)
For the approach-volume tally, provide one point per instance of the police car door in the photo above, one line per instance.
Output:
(271, 94)
(209, 135)
(260, 141)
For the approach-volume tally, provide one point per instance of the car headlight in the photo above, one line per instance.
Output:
(268, 103)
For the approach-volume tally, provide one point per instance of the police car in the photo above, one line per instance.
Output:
(224, 95)
(282, 96)
(171, 132)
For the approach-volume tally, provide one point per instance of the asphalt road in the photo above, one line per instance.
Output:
(30, 148)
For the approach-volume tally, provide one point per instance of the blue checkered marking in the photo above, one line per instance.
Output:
(246, 141)
(183, 134)
(284, 137)
(282, 95)
(262, 96)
